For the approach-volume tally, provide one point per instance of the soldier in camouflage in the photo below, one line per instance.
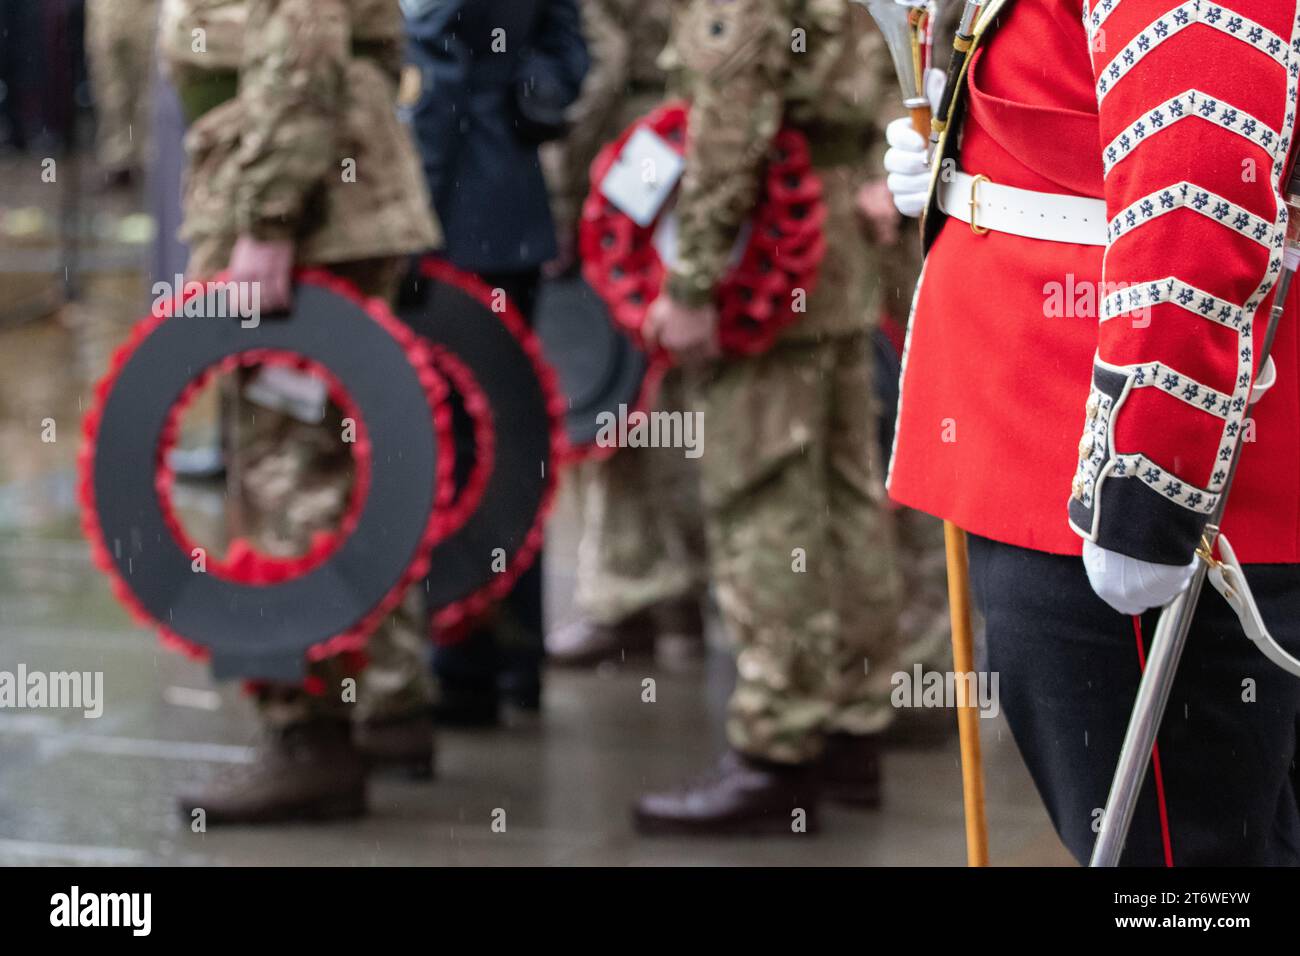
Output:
(295, 157)
(641, 572)
(119, 54)
(800, 540)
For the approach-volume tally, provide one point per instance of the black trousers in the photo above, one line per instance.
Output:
(505, 652)
(1068, 671)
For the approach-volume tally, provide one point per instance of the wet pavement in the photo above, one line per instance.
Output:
(99, 791)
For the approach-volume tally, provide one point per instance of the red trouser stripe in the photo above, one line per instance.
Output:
(1155, 756)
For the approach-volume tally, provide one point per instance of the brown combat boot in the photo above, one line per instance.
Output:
(405, 744)
(741, 795)
(310, 771)
(586, 644)
(851, 769)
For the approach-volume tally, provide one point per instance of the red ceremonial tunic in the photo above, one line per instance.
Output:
(1180, 117)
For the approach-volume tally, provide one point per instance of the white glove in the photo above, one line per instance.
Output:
(1131, 586)
(907, 160)
(908, 167)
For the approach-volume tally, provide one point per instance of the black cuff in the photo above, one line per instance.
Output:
(1142, 523)
(1117, 508)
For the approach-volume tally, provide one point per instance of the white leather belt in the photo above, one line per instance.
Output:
(1022, 212)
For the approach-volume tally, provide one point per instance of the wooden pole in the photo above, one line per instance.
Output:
(921, 120)
(963, 648)
(968, 726)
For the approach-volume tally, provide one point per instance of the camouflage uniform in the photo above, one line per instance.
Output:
(294, 135)
(642, 543)
(119, 54)
(625, 39)
(800, 540)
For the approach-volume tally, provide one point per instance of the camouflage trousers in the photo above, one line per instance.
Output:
(119, 54)
(642, 540)
(801, 543)
(924, 618)
(291, 480)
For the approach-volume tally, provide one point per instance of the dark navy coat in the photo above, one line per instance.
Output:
(482, 169)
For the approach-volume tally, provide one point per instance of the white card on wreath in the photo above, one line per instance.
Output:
(299, 395)
(643, 176)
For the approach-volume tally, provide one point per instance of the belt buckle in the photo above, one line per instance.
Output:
(974, 204)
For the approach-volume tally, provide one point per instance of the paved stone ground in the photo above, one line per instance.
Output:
(99, 792)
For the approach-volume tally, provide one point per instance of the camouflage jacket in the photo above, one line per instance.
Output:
(298, 135)
(625, 39)
(750, 66)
